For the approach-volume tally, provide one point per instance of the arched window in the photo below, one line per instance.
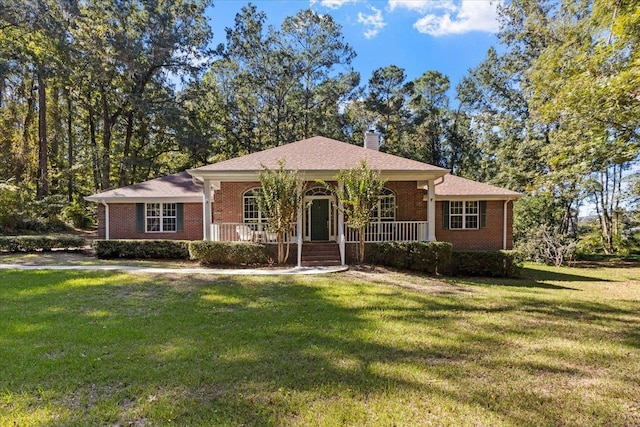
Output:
(386, 208)
(318, 191)
(251, 213)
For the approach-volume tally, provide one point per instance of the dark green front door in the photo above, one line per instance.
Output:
(320, 219)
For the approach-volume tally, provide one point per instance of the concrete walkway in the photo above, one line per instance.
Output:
(157, 270)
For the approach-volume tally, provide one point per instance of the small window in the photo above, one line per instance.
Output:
(161, 217)
(463, 215)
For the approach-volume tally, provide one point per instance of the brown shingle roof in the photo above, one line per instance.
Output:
(312, 154)
(455, 186)
(177, 186)
(319, 154)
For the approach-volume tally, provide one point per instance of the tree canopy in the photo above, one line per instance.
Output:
(99, 94)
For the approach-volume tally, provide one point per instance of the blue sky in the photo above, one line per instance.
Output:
(450, 36)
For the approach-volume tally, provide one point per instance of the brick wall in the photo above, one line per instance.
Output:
(227, 201)
(122, 223)
(227, 207)
(488, 238)
(409, 203)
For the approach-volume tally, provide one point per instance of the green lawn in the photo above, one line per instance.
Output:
(561, 347)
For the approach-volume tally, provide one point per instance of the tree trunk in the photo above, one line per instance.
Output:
(122, 181)
(361, 245)
(280, 248)
(70, 152)
(56, 136)
(97, 180)
(42, 184)
(3, 87)
(106, 141)
(22, 160)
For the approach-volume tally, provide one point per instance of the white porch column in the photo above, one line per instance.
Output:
(431, 211)
(106, 220)
(206, 209)
(504, 224)
(341, 238)
(299, 231)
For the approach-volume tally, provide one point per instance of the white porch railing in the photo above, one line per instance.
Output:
(392, 231)
(249, 232)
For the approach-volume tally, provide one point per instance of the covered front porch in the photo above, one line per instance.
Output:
(398, 217)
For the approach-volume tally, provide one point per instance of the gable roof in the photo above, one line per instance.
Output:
(457, 187)
(178, 187)
(318, 157)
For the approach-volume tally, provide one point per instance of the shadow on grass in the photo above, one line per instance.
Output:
(112, 348)
(538, 274)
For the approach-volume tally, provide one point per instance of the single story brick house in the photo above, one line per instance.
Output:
(420, 202)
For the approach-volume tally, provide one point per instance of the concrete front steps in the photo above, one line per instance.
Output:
(320, 254)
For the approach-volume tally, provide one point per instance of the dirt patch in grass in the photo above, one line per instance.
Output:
(86, 257)
(405, 280)
(80, 257)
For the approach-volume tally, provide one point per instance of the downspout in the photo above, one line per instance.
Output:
(299, 233)
(106, 219)
(504, 224)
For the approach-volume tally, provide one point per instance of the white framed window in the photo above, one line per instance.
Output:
(464, 215)
(250, 212)
(161, 217)
(385, 210)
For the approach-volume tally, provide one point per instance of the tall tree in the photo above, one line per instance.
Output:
(387, 98)
(130, 47)
(430, 105)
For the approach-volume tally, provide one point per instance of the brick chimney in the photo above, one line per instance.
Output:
(372, 140)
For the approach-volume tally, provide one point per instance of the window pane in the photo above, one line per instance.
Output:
(471, 208)
(388, 207)
(153, 224)
(456, 208)
(455, 221)
(169, 224)
(471, 221)
(251, 213)
(153, 209)
(169, 209)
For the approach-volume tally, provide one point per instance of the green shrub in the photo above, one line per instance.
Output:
(9, 206)
(40, 243)
(140, 249)
(229, 253)
(77, 214)
(427, 257)
(485, 263)
(8, 243)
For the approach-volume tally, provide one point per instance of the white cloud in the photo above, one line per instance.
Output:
(332, 4)
(470, 15)
(421, 5)
(374, 22)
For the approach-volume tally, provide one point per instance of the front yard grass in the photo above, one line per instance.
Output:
(559, 347)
